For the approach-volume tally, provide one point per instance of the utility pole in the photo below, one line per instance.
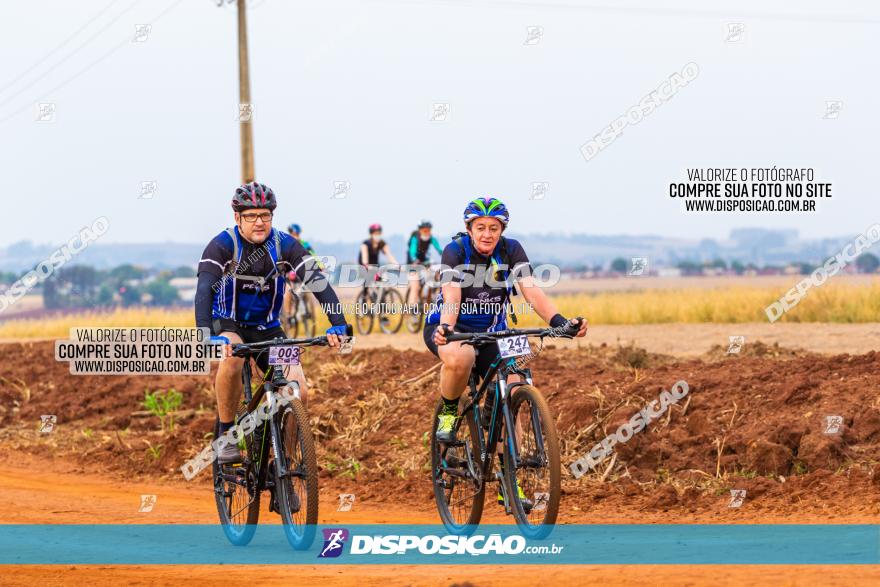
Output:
(244, 97)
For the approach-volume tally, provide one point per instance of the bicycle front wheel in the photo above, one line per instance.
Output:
(456, 474)
(538, 474)
(364, 313)
(391, 316)
(414, 318)
(297, 491)
(237, 493)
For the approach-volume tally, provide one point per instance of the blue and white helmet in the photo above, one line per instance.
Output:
(486, 207)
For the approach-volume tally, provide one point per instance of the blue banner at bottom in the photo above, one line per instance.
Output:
(689, 544)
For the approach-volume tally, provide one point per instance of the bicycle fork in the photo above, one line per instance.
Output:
(500, 407)
(281, 471)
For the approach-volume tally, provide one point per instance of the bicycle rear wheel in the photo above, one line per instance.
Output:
(237, 493)
(297, 493)
(459, 494)
(391, 321)
(538, 473)
(363, 313)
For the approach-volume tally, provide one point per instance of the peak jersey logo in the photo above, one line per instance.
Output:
(334, 540)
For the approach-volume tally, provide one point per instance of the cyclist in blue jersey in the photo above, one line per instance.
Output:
(295, 230)
(479, 306)
(478, 271)
(241, 282)
(420, 243)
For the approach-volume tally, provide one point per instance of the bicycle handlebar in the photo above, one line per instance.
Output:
(569, 330)
(245, 349)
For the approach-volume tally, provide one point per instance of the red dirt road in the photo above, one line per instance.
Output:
(43, 491)
(752, 421)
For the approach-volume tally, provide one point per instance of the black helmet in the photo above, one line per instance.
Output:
(253, 195)
(425, 224)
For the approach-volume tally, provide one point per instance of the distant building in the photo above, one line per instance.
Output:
(185, 286)
(668, 272)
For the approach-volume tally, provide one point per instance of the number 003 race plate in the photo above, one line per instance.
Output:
(514, 346)
(284, 355)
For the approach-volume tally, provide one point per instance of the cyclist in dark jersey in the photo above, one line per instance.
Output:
(371, 248)
(479, 306)
(471, 303)
(241, 281)
(420, 242)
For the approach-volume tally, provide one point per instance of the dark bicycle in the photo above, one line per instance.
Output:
(279, 457)
(529, 474)
(379, 300)
(299, 313)
(427, 293)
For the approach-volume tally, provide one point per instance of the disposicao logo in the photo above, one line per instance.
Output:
(334, 540)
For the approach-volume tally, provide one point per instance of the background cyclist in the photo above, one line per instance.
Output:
(480, 307)
(420, 242)
(371, 249)
(241, 281)
(295, 230)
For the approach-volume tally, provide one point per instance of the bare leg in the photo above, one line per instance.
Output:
(458, 360)
(412, 292)
(228, 383)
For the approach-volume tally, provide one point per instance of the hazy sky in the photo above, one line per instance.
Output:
(343, 91)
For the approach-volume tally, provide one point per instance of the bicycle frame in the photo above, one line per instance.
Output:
(498, 373)
(269, 391)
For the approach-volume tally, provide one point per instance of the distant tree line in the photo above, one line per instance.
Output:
(865, 263)
(83, 286)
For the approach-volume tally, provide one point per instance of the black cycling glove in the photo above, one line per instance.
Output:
(558, 320)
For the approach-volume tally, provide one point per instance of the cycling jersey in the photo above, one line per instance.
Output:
(417, 251)
(311, 251)
(483, 306)
(373, 250)
(250, 288)
(307, 246)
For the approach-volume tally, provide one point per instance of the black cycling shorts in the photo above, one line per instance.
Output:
(248, 334)
(485, 355)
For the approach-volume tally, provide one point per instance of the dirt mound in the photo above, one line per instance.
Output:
(758, 422)
(755, 349)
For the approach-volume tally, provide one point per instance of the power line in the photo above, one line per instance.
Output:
(125, 42)
(71, 54)
(63, 43)
(662, 11)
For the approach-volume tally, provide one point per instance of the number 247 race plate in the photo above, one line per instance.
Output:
(514, 346)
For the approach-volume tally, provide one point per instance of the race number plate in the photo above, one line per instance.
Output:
(284, 355)
(514, 346)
